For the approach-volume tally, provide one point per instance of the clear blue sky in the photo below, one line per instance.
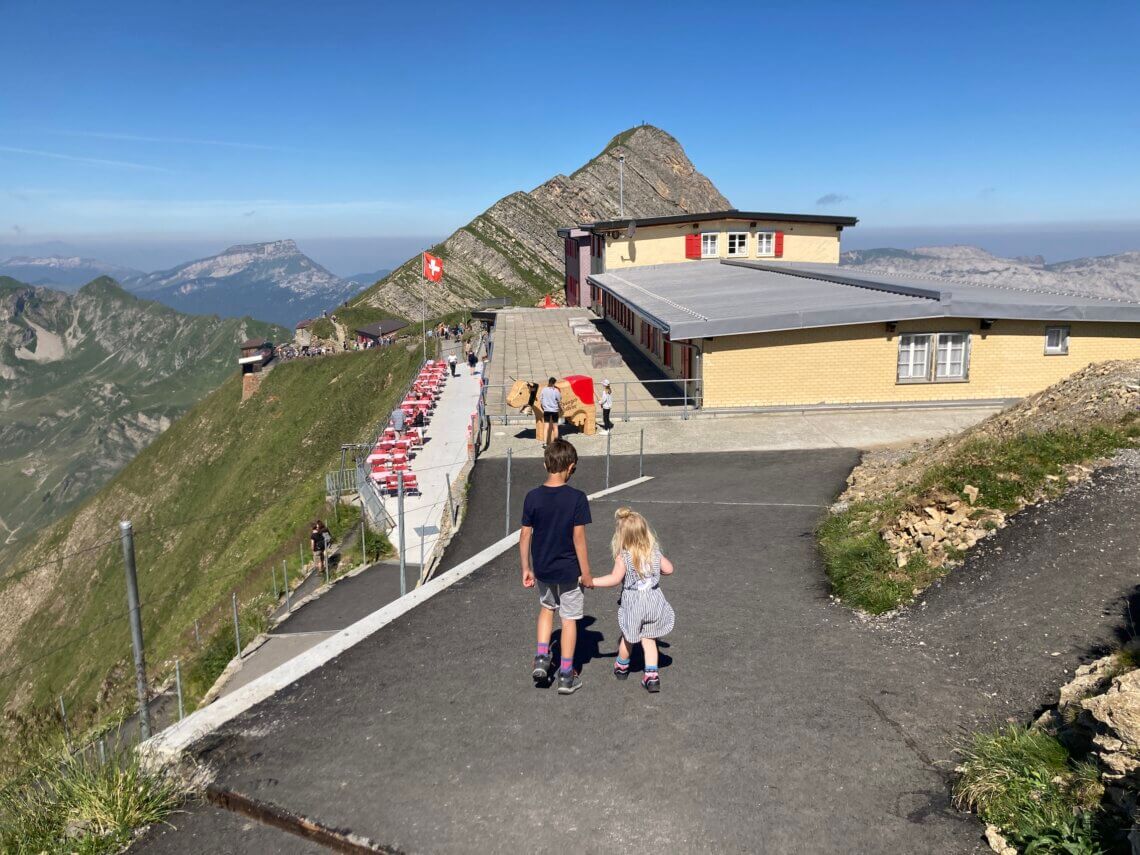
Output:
(215, 123)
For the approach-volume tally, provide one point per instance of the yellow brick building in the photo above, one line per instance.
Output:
(748, 332)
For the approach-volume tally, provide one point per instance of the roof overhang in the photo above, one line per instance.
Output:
(732, 214)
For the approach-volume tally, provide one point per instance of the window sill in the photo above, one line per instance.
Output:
(925, 382)
(1056, 353)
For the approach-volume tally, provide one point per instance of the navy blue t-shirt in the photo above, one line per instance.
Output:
(553, 512)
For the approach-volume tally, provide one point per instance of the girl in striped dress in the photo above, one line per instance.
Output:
(644, 615)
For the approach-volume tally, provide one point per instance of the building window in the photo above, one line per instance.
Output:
(1056, 341)
(765, 244)
(710, 244)
(933, 357)
(737, 244)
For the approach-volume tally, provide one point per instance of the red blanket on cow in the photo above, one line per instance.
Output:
(583, 387)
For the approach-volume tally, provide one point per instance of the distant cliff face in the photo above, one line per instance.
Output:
(512, 248)
(1113, 276)
(87, 380)
(273, 280)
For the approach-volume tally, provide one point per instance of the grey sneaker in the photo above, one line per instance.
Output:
(541, 668)
(652, 682)
(568, 684)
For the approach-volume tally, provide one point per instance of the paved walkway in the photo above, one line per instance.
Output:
(534, 344)
(786, 723)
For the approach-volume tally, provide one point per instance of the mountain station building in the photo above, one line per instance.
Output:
(753, 310)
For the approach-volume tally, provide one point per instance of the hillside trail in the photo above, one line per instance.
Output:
(787, 723)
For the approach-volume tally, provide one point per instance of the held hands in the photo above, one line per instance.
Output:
(586, 580)
(528, 579)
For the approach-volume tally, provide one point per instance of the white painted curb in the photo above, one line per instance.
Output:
(169, 745)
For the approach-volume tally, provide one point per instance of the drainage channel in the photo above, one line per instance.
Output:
(278, 817)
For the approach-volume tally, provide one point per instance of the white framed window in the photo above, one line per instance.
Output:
(952, 356)
(914, 358)
(710, 244)
(1056, 341)
(934, 357)
(737, 244)
(765, 244)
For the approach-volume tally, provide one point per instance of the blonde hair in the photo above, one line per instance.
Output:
(632, 534)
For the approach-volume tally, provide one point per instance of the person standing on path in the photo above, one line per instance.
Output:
(472, 359)
(607, 405)
(550, 402)
(552, 548)
(398, 420)
(453, 361)
(317, 539)
(644, 615)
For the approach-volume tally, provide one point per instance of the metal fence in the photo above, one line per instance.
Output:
(631, 399)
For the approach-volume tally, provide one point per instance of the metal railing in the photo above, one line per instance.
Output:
(632, 399)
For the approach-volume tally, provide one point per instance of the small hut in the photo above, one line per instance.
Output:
(372, 334)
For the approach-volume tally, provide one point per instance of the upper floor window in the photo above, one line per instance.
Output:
(710, 244)
(737, 244)
(1056, 341)
(765, 244)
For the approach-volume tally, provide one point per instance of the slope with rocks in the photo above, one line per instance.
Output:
(512, 249)
(218, 499)
(90, 379)
(273, 280)
(1112, 276)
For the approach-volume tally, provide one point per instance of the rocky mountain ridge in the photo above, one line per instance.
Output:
(272, 280)
(90, 378)
(512, 249)
(65, 272)
(1113, 276)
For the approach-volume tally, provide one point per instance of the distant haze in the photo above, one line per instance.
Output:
(342, 256)
(1052, 241)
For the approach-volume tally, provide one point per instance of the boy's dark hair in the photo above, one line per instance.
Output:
(560, 456)
(551, 381)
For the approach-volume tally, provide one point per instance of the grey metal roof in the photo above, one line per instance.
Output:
(701, 299)
(384, 327)
(730, 214)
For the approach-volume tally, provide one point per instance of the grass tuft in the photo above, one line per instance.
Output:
(73, 803)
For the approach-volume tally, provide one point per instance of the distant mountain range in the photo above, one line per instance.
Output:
(274, 281)
(366, 279)
(512, 249)
(1114, 276)
(66, 273)
(87, 380)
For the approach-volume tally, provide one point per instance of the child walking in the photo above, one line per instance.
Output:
(552, 547)
(644, 615)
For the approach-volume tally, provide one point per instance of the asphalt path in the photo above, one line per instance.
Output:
(785, 724)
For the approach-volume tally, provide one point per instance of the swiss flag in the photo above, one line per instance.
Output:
(433, 267)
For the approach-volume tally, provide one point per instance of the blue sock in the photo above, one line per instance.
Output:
(650, 670)
(567, 665)
(543, 650)
(622, 664)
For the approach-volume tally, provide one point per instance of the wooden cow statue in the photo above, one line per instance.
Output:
(577, 402)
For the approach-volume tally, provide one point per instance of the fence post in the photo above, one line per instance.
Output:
(63, 716)
(450, 499)
(237, 626)
(625, 396)
(685, 405)
(609, 436)
(641, 456)
(273, 570)
(507, 516)
(127, 535)
(363, 540)
(400, 523)
(285, 579)
(178, 685)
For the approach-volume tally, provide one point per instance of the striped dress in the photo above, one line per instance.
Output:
(643, 611)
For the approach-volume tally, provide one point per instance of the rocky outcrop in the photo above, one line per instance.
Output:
(512, 248)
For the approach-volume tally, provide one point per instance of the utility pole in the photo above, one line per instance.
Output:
(127, 535)
(621, 186)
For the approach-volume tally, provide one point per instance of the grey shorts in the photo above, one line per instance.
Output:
(567, 600)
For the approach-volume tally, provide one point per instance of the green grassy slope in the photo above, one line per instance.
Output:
(224, 493)
(127, 368)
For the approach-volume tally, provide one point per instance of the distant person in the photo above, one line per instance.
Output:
(418, 420)
(552, 548)
(607, 404)
(453, 361)
(472, 361)
(644, 615)
(550, 401)
(398, 419)
(317, 539)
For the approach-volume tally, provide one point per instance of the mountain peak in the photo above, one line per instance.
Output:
(272, 247)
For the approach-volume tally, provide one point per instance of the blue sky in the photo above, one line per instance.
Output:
(343, 123)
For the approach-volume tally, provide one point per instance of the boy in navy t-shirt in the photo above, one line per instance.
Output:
(552, 545)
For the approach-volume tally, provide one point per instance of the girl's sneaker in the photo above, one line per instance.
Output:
(620, 672)
(652, 682)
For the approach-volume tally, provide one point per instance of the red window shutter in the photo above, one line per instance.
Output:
(692, 246)
(779, 244)
(668, 352)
